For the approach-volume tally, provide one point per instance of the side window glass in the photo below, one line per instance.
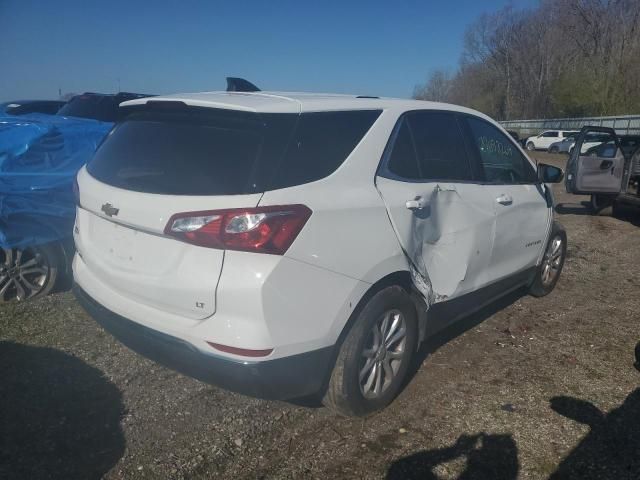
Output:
(439, 146)
(550, 134)
(321, 143)
(600, 145)
(500, 160)
(402, 161)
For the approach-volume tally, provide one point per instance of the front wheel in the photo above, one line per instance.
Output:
(548, 272)
(29, 272)
(530, 146)
(375, 356)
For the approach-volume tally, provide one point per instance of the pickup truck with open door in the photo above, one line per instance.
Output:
(605, 170)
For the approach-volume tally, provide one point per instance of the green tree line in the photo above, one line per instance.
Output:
(564, 58)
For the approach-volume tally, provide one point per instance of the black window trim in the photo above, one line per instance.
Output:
(383, 165)
(475, 154)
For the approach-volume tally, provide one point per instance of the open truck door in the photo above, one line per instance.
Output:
(596, 166)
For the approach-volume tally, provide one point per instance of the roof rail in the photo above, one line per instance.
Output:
(235, 84)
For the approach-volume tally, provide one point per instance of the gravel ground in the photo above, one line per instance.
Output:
(528, 388)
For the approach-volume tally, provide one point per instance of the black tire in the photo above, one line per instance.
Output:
(554, 150)
(616, 210)
(543, 285)
(345, 394)
(601, 204)
(530, 146)
(20, 281)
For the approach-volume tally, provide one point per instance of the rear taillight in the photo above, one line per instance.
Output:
(261, 229)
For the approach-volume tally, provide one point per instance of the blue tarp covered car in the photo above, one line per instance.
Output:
(39, 157)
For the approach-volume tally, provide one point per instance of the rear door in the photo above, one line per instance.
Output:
(442, 216)
(596, 164)
(157, 164)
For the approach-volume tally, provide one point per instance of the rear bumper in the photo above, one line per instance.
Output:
(282, 378)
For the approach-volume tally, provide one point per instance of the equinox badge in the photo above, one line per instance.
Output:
(110, 210)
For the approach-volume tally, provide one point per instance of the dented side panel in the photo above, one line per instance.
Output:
(448, 238)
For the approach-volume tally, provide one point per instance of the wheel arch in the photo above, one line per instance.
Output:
(400, 278)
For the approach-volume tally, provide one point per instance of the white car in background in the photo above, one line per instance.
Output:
(544, 140)
(284, 245)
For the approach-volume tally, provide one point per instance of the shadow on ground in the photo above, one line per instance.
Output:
(611, 449)
(485, 457)
(626, 213)
(59, 417)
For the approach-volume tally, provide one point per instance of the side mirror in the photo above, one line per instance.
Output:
(549, 173)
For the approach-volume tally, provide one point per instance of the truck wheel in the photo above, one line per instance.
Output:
(530, 146)
(548, 272)
(374, 358)
(602, 204)
(30, 272)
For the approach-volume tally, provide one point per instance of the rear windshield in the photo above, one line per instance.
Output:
(202, 151)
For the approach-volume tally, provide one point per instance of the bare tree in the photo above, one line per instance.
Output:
(566, 57)
(437, 88)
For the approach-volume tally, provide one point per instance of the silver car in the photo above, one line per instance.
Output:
(564, 145)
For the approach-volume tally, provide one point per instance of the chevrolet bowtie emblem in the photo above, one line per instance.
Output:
(110, 210)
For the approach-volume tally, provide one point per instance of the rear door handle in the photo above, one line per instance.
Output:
(504, 199)
(416, 204)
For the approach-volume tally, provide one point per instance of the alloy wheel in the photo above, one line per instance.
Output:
(384, 352)
(552, 261)
(23, 273)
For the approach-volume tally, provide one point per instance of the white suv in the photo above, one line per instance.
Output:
(546, 138)
(285, 245)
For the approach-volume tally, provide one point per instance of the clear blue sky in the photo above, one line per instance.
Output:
(368, 47)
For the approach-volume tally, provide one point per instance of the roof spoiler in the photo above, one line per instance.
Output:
(235, 84)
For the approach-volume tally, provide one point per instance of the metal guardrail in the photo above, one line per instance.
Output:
(624, 124)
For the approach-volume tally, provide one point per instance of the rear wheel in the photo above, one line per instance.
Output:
(531, 146)
(549, 270)
(374, 358)
(616, 210)
(554, 150)
(601, 204)
(27, 273)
